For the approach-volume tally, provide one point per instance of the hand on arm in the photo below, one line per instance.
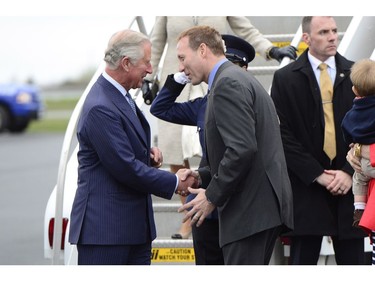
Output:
(354, 156)
(341, 183)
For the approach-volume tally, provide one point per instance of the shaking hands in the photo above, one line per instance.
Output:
(187, 178)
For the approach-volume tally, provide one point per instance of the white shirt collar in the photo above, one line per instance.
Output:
(315, 62)
(114, 83)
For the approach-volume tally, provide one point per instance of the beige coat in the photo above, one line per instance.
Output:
(164, 37)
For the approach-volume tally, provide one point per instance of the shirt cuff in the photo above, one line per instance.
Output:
(175, 189)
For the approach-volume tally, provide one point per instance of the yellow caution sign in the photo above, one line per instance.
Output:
(173, 255)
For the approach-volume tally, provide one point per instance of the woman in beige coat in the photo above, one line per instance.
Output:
(164, 38)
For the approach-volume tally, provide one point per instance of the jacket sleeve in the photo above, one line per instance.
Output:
(166, 108)
(300, 162)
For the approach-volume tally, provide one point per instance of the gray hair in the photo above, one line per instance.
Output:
(125, 43)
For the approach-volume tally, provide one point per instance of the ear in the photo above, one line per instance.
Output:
(355, 90)
(306, 38)
(125, 63)
(202, 49)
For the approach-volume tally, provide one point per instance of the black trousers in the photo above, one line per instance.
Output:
(253, 250)
(114, 254)
(305, 250)
(206, 243)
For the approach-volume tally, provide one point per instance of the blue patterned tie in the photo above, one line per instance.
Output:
(132, 103)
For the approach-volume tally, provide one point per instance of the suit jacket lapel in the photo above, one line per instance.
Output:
(138, 122)
(303, 65)
(342, 70)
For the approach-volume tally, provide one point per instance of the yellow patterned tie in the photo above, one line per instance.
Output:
(326, 90)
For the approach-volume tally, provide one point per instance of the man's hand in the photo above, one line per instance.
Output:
(149, 90)
(187, 178)
(156, 157)
(181, 78)
(354, 160)
(325, 179)
(198, 209)
(279, 53)
(341, 183)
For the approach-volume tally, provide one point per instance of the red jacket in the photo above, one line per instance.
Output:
(368, 217)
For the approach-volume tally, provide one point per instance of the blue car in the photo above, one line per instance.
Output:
(19, 104)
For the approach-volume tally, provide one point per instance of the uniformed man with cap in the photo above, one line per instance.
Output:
(238, 50)
(205, 237)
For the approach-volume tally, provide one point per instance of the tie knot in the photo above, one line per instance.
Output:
(323, 66)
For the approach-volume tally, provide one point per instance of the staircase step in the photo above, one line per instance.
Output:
(172, 251)
(167, 219)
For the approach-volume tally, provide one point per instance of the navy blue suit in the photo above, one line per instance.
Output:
(113, 205)
(165, 107)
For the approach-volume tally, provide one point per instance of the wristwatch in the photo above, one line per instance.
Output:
(357, 150)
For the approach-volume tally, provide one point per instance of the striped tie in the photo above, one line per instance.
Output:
(131, 102)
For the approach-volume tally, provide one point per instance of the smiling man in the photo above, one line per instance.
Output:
(112, 220)
(247, 178)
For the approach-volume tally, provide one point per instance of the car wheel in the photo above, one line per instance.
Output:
(19, 126)
(4, 118)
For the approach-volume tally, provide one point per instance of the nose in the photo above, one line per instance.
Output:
(181, 67)
(149, 69)
(332, 36)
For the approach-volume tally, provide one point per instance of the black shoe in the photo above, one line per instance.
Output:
(176, 236)
(357, 217)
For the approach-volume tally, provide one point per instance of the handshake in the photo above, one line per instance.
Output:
(187, 178)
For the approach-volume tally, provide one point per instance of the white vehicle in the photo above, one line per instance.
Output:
(56, 245)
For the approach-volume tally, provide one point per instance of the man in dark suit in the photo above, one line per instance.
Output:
(246, 177)
(112, 219)
(323, 201)
(205, 237)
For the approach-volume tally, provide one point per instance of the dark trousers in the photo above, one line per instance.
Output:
(305, 250)
(206, 243)
(253, 250)
(114, 254)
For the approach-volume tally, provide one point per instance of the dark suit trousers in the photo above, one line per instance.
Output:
(305, 250)
(114, 254)
(206, 243)
(253, 250)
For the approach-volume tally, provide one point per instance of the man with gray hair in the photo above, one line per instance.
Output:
(112, 219)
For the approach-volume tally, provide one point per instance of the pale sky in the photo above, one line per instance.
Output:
(51, 49)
